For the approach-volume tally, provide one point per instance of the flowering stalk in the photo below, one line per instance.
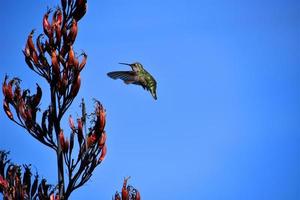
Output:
(52, 57)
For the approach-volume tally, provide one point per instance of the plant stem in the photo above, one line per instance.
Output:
(59, 153)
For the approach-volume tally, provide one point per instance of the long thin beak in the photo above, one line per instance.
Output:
(125, 64)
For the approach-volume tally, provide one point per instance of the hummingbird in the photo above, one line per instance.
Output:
(138, 76)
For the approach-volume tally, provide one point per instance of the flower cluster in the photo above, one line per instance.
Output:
(62, 68)
(22, 186)
(26, 107)
(92, 146)
(128, 192)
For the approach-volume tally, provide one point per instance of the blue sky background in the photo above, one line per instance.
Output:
(226, 122)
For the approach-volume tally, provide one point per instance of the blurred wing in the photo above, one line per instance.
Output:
(126, 76)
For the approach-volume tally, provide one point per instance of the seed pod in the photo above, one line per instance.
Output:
(71, 141)
(80, 131)
(27, 179)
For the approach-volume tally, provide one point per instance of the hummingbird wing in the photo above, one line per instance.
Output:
(126, 76)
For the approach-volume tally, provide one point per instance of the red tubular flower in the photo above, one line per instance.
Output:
(103, 153)
(39, 44)
(46, 25)
(124, 189)
(21, 109)
(137, 195)
(62, 140)
(37, 97)
(30, 42)
(3, 183)
(91, 140)
(73, 32)
(71, 123)
(71, 57)
(7, 89)
(101, 118)
(83, 62)
(55, 66)
(75, 86)
(102, 140)
(30, 49)
(66, 147)
(7, 110)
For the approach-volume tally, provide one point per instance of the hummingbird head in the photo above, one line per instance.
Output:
(136, 66)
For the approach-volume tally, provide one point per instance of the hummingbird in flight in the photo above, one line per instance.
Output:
(138, 76)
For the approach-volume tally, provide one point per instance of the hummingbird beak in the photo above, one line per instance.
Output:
(125, 64)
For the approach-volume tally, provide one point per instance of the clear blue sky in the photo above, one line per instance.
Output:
(226, 122)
